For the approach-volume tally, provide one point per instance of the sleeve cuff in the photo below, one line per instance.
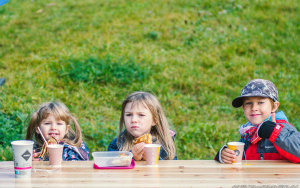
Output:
(220, 160)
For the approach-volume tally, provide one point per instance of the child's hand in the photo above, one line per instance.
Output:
(227, 155)
(138, 151)
(36, 155)
(266, 129)
(273, 117)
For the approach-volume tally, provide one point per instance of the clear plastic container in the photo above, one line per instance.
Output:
(112, 158)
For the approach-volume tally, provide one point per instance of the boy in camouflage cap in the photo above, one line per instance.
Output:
(267, 134)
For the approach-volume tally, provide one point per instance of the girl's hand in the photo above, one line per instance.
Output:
(227, 155)
(138, 151)
(36, 155)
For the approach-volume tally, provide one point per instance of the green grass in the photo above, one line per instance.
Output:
(194, 56)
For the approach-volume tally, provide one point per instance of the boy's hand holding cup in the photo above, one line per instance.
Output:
(227, 155)
(235, 150)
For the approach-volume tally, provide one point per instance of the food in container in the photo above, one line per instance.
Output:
(112, 158)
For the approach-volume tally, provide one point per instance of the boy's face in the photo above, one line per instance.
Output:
(257, 109)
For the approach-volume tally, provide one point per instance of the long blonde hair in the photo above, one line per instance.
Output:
(60, 112)
(159, 131)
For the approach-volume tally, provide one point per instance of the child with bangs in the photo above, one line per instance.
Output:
(142, 114)
(54, 121)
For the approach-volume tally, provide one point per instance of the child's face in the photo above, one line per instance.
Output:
(138, 119)
(257, 109)
(51, 127)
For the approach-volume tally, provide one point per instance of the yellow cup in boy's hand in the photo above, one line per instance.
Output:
(238, 148)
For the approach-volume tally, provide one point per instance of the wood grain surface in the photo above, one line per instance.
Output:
(180, 173)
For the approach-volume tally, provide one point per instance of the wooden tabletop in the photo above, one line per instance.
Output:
(180, 173)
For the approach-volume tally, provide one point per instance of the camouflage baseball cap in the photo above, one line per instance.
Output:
(257, 88)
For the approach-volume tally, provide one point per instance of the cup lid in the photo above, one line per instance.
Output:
(152, 145)
(22, 142)
(236, 143)
(55, 146)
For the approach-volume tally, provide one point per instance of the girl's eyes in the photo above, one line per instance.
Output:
(131, 115)
(47, 123)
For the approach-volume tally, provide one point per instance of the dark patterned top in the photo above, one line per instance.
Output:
(71, 153)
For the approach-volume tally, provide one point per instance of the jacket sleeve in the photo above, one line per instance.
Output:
(173, 137)
(113, 145)
(286, 140)
(163, 153)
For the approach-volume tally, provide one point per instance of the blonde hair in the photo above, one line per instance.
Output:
(60, 112)
(159, 131)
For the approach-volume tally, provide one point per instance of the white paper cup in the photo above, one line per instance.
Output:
(152, 152)
(55, 154)
(22, 153)
(238, 148)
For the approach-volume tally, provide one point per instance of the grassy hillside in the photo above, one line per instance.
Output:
(195, 56)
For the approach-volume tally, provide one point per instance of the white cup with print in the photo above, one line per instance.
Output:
(22, 153)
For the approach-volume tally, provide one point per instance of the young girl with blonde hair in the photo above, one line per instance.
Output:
(53, 120)
(143, 114)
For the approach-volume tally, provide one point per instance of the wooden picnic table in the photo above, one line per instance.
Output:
(177, 173)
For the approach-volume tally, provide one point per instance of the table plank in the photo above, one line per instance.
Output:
(180, 173)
